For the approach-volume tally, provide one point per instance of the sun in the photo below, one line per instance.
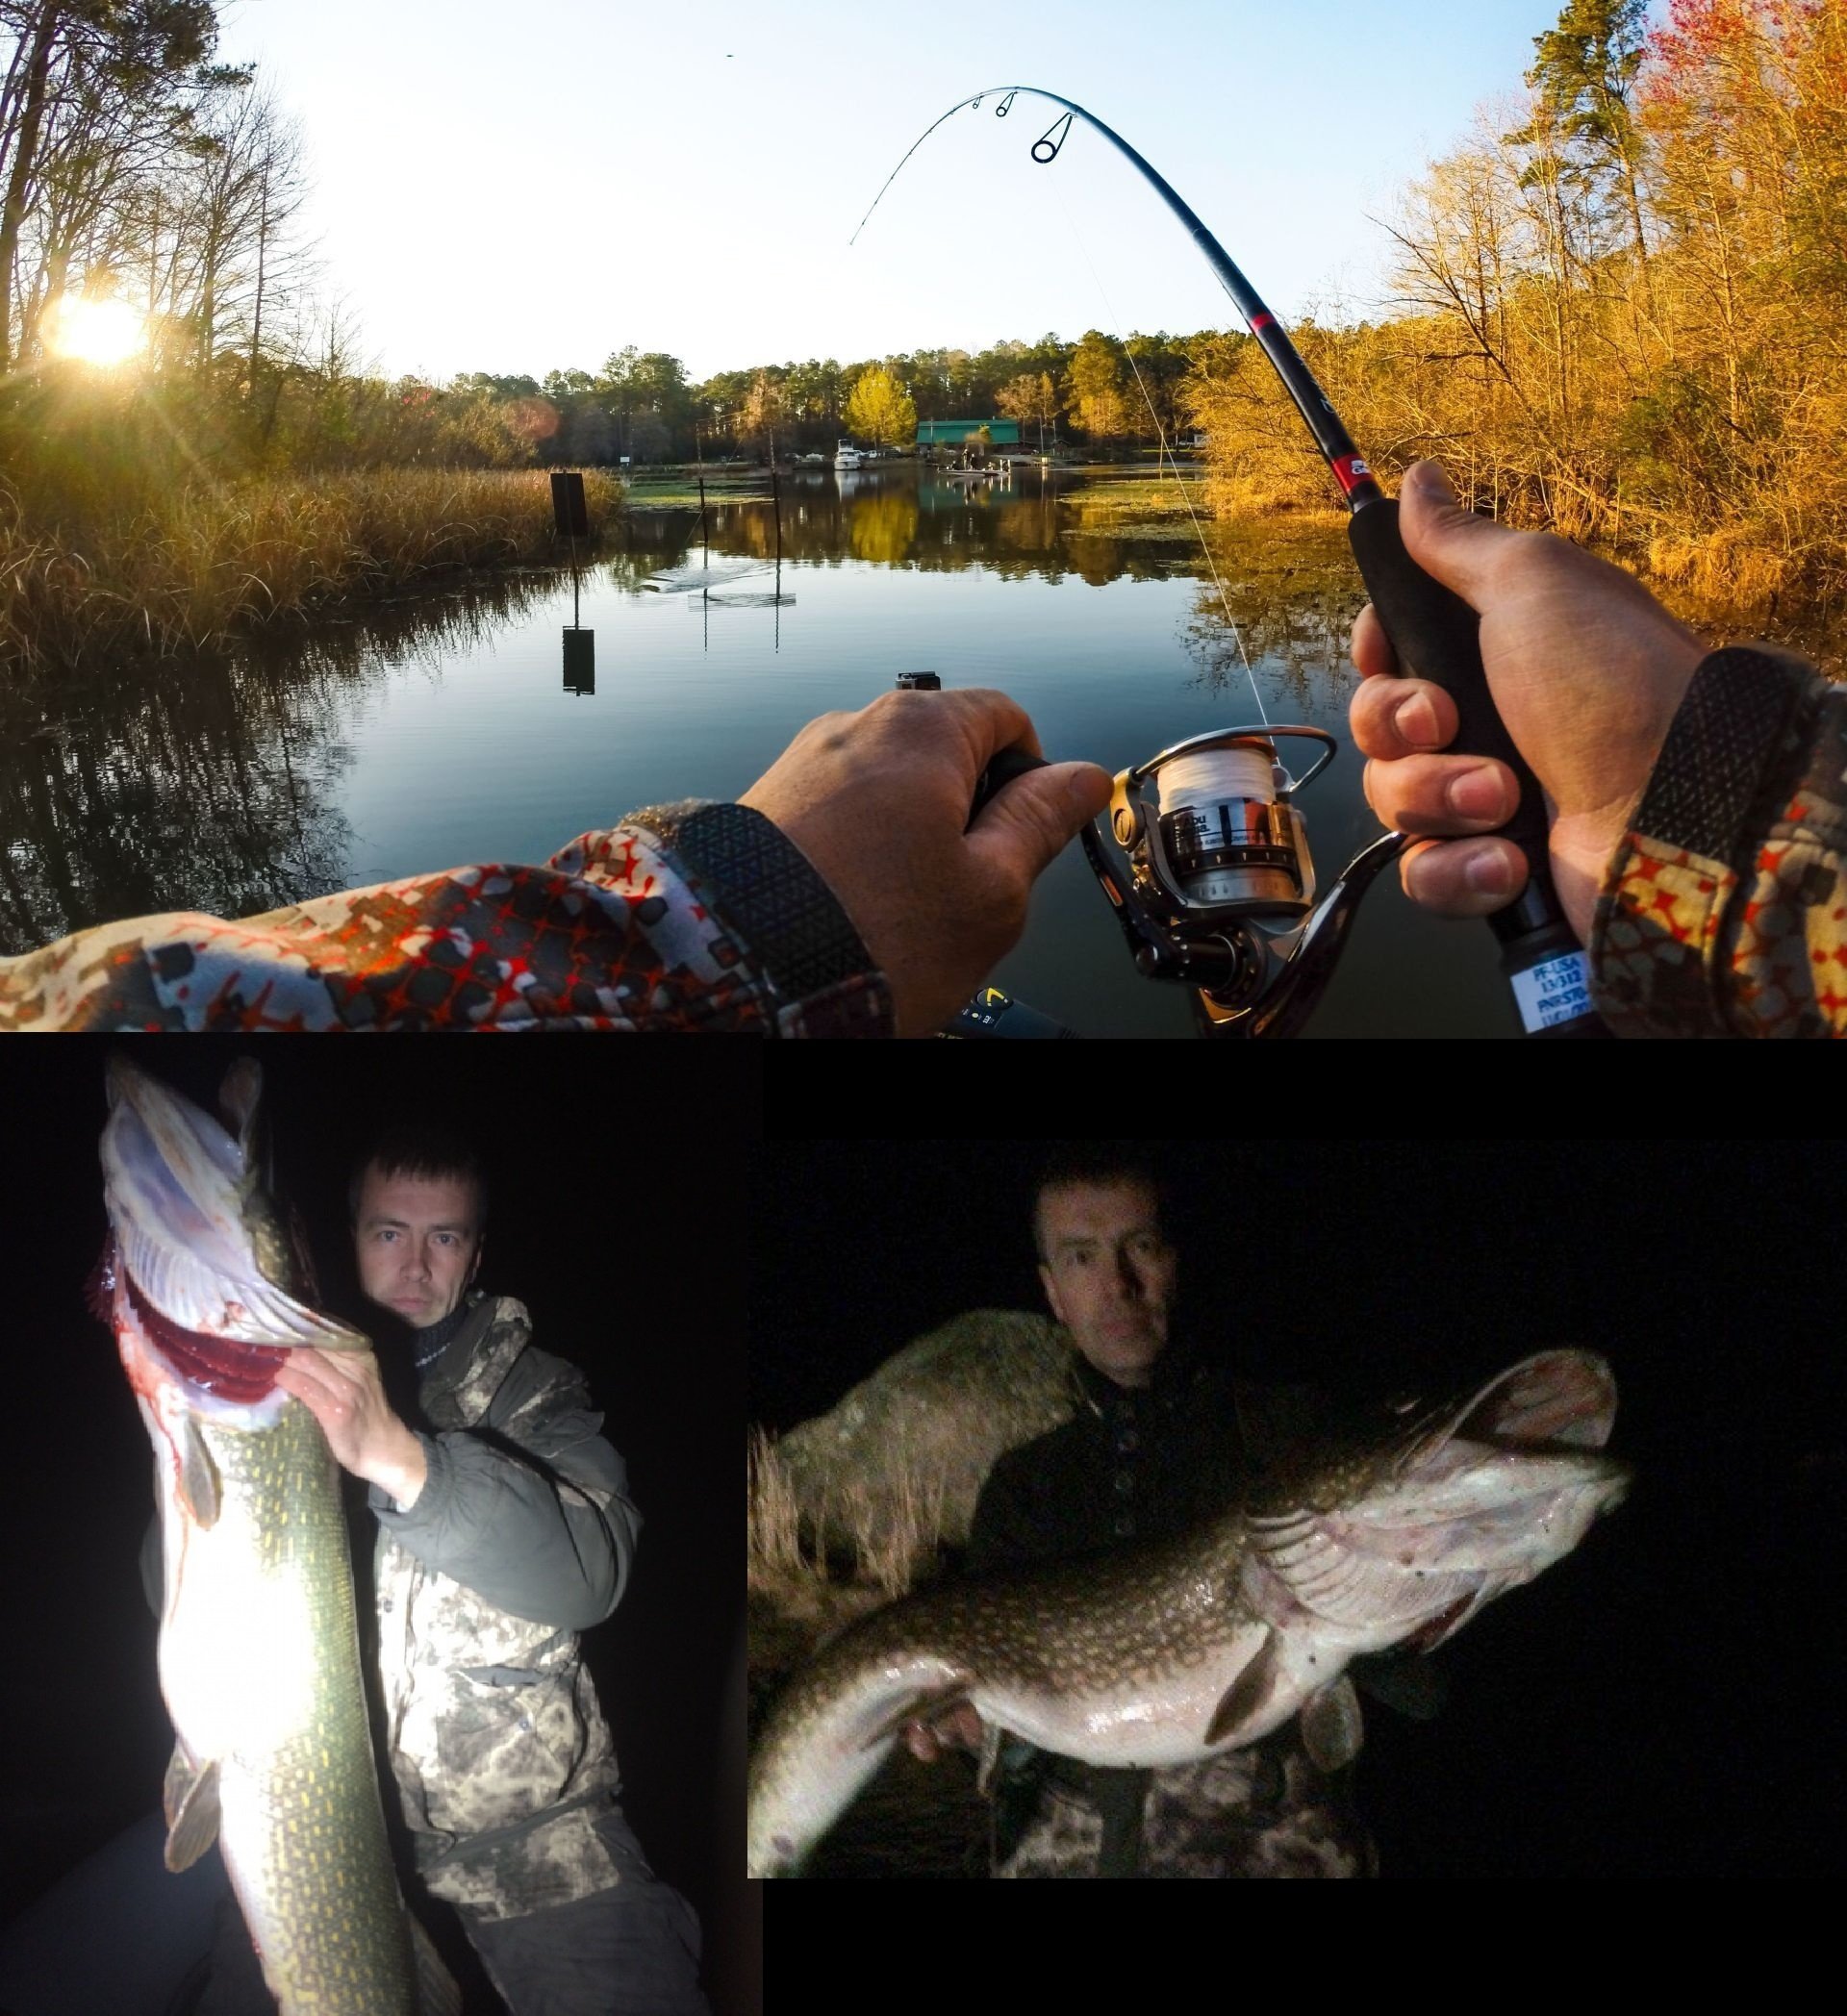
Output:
(96, 331)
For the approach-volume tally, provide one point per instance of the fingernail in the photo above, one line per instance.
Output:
(1086, 790)
(1486, 873)
(1478, 795)
(1429, 477)
(1416, 722)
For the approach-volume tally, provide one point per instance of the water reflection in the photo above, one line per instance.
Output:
(217, 783)
(459, 728)
(213, 783)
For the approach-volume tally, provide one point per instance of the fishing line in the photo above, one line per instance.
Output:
(1160, 435)
(1436, 635)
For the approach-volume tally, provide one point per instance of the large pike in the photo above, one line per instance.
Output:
(259, 1647)
(1169, 1652)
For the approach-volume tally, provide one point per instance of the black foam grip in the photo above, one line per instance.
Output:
(1003, 769)
(1437, 636)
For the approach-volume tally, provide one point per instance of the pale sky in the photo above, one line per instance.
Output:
(514, 187)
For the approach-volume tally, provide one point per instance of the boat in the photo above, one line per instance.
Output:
(848, 457)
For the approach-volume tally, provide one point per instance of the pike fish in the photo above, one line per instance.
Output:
(259, 1646)
(1393, 1534)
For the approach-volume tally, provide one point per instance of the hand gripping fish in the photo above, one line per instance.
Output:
(259, 1649)
(1168, 1652)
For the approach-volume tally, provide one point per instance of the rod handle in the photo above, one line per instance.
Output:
(1438, 636)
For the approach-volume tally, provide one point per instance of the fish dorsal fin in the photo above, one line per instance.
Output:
(1249, 1694)
(1332, 1728)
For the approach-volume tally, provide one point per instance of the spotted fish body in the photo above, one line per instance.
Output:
(259, 1651)
(1168, 1652)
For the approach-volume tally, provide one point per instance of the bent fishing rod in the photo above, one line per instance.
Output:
(1221, 894)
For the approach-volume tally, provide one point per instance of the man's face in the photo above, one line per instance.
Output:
(1109, 1275)
(418, 1245)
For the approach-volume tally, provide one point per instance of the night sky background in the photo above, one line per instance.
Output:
(618, 1215)
(1665, 1702)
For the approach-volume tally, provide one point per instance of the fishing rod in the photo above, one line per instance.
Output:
(1220, 893)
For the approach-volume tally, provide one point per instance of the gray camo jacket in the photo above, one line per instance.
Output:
(521, 1538)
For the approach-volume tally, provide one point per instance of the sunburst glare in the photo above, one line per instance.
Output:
(96, 331)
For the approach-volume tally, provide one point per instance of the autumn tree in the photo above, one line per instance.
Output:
(1033, 399)
(881, 410)
(1096, 380)
(763, 410)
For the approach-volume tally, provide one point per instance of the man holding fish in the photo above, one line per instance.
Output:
(505, 1529)
(1155, 1447)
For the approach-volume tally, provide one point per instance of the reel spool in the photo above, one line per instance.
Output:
(1224, 842)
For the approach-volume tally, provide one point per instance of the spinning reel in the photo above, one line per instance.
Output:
(1220, 891)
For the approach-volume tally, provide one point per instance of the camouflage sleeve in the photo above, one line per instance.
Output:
(537, 1516)
(683, 918)
(1724, 913)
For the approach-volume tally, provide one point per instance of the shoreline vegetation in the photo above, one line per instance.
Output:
(194, 567)
(1617, 309)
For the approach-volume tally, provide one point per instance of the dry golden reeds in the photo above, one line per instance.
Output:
(1724, 566)
(193, 568)
(888, 1536)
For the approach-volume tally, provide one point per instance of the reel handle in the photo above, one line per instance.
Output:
(1438, 636)
(1003, 767)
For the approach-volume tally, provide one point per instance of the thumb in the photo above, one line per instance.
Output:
(1038, 816)
(1452, 545)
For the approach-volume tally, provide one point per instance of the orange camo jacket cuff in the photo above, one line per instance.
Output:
(1724, 911)
(686, 917)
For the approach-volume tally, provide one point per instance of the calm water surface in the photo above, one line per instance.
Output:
(441, 730)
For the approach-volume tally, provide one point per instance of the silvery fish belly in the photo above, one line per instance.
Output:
(1391, 1534)
(259, 1651)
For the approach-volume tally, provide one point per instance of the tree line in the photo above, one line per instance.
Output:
(1620, 305)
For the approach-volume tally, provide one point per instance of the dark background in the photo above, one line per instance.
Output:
(1663, 1703)
(618, 1215)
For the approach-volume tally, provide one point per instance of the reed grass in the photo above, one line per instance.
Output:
(193, 569)
(1723, 566)
(884, 1542)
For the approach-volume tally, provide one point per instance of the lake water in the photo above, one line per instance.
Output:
(441, 730)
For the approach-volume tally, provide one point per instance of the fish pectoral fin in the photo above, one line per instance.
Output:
(191, 1798)
(1249, 1694)
(436, 1993)
(1332, 1728)
(198, 1476)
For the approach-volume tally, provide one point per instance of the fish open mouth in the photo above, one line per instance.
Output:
(1561, 1402)
(224, 1367)
(1562, 1398)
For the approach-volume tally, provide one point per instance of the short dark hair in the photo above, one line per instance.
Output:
(1073, 1162)
(422, 1148)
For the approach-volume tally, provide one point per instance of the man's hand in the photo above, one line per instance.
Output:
(343, 1392)
(930, 1737)
(1587, 669)
(877, 802)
